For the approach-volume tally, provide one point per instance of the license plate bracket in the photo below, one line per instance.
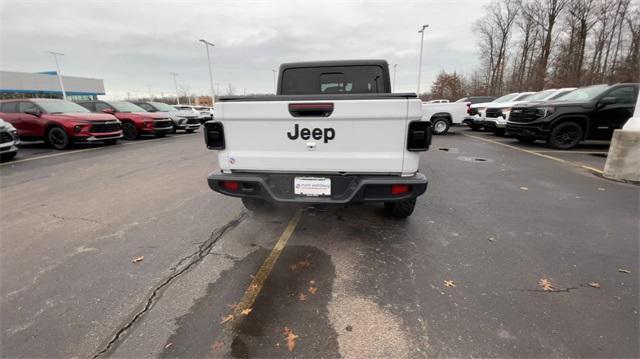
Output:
(312, 186)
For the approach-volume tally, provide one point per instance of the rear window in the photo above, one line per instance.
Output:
(328, 80)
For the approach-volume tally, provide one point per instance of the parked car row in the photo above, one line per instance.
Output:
(561, 117)
(444, 114)
(59, 123)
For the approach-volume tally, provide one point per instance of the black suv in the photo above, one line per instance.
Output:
(587, 113)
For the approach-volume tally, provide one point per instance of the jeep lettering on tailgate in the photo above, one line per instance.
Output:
(317, 133)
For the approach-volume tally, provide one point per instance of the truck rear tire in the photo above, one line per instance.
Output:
(256, 205)
(440, 125)
(474, 127)
(401, 209)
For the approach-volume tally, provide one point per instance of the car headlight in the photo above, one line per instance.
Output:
(10, 127)
(542, 112)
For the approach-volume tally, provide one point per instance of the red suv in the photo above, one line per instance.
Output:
(59, 122)
(135, 120)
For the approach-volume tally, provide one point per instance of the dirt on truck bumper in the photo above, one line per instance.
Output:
(344, 189)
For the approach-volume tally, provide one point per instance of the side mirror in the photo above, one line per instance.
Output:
(607, 101)
(36, 113)
(109, 111)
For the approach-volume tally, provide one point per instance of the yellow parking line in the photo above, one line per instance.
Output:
(536, 154)
(251, 293)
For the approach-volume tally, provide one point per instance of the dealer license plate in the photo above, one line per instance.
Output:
(312, 186)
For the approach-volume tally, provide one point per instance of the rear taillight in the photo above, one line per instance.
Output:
(231, 185)
(468, 109)
(214, 135)
(400, 188)
(419, 136)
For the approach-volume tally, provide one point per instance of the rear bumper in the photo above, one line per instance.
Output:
(344, 189)
(524, 130)
(476, 120)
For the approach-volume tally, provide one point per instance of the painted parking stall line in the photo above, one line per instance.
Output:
(537, 153)
(256, 285)
(57, 154)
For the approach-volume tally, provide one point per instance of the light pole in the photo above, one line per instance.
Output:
(420, 62)
(275, 86)
(395, 67)
(175, 83)
(206, 45)
(55, 56)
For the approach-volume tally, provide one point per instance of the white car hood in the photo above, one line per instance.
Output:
(505, 104)
(184, 113)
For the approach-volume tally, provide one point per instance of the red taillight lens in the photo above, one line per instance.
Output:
(400, 188)
(468, 108)
(231, 185)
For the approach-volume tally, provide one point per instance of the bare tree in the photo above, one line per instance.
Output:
(545, 14)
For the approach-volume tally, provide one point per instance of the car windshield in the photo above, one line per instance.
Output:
(540, 96)
(584, 94)
(523, 96)
(124, 106)
(506, 98)
(60, 106)
(162, 106)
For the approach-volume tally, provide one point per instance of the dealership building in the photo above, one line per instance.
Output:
(47, 85)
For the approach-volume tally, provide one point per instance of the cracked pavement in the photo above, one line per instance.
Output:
(72, 224)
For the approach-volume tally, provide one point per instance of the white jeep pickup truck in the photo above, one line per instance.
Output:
(334, 133)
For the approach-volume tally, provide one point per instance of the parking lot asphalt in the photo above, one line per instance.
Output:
(464, 276)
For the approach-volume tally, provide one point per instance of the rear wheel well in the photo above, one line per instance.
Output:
(444, 115)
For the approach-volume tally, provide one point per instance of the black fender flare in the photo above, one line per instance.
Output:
(581, 120)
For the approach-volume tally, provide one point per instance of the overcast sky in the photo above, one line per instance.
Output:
(132, 44)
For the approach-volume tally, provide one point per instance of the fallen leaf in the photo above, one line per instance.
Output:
(524, 188)
(312, 290)
(546, 285)
(302, 297)
(246, 311)
(491, 239)
(137, 259)
(301, 264)
(622, 270)
(217, 345)
(227, 318)
(291, 338)
(168, 345)
(449, 284)
(595, 284)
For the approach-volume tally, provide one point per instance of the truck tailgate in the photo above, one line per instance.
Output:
(364, 136)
